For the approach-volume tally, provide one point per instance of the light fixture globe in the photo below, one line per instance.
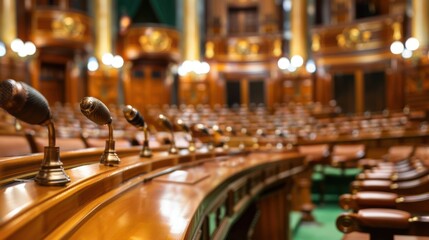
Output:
(412, 44)
(397, 47)
(297, 61)
(283, 63)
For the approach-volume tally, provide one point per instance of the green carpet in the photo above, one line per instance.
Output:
(324, 227)
(333, 183)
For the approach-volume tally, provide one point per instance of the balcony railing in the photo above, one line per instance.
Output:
(374, 34)
(64, 28)
(244, 48)
(152, 40)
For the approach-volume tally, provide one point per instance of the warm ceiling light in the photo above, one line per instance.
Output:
(297, 61)
(107, 59)
(310, 66)
(283, 63)
(16, 45)
(407, 53)
(397, 47)
(412, 44)
(92, 64)
(2, 49)
(117, 61)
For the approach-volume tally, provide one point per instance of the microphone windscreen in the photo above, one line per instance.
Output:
(200, 127)
(24, 102)
(165, 122)
(183, 125)
(95, 110)
(133, 116)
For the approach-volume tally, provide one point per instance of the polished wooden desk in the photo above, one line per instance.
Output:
(196, 196)
(22, 167)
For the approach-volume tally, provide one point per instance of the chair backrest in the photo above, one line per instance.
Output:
(316, 150)
(65, 144)
(399, 152)
(350, 150)
(421, 152)
(101, 142)
(14, 145)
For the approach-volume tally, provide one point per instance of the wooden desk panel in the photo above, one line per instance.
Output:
(161, 210)
(123, 202)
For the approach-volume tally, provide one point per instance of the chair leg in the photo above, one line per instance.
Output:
(379, 235)
(343, 177)
(322, 190)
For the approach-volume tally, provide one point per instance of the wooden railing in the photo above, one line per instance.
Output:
(61, 28)
(156, 198)
(248, 48)
(369, 34)
(152, 40)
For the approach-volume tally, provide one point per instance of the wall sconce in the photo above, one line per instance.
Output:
(194, 68)
(411, 44)
(107, 59)
(92, 64)
(20, 49)
(2, 49)
(294, 63)
(310, 66)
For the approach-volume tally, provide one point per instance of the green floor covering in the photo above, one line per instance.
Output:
(324, 227)
(325, 214)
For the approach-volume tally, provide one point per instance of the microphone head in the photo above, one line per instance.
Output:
(183, 125)
(95, 110)
(260, 132)
(217, 129)
(133, 116)
(24, 102)
(200, 127)
(166, 122)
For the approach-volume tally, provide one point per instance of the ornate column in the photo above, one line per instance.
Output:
(420, 22)
(103, 27)
(193, 84)
(298, 42)
(191, 33)
(8, 21)
(103, 83)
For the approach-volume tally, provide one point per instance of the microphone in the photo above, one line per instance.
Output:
(242, 145)
(28, 105)
(24, 102)
(230, 132)
(204, 130)
(167, 124)
(133, 116)
(96, 111)
(186, 128)
(280, 134)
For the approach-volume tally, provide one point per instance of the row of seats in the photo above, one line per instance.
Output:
(294, 125)
(390, 198)
(340, 156)
(26, 143)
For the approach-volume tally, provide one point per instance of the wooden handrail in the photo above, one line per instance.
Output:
(163, 205)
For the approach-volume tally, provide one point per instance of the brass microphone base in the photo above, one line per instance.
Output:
(146, 152)
(109, 157)
(173, 149)
(51, 171)
(192, 147)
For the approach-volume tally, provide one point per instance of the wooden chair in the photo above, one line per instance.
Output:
(347, 155)
(383, 224)
(395, 154)
(15, 145)
(101, 142)
(317, 157)
(65, 144)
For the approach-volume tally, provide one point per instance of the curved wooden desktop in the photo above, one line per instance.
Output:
(198, 196)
